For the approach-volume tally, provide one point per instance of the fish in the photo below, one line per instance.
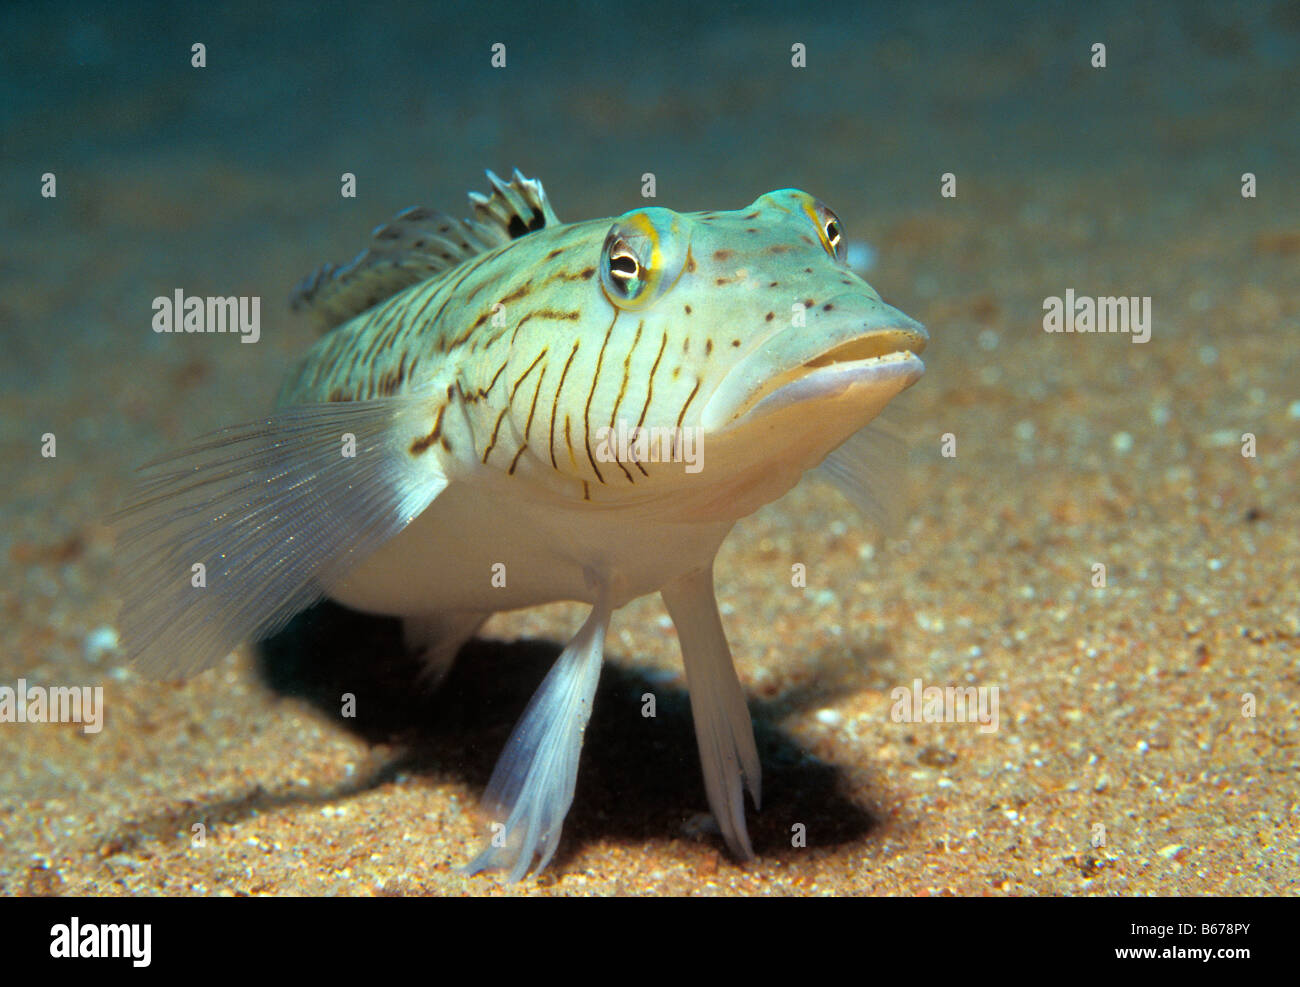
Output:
(507, 410)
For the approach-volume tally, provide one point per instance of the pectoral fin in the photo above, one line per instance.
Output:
(722, 724)
(868, 468)
(228, 539)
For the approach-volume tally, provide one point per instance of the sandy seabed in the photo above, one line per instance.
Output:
(1125, 761)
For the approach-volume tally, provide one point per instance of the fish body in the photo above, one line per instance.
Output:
(508, 411)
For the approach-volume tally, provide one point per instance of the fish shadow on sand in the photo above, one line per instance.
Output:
(639, 778)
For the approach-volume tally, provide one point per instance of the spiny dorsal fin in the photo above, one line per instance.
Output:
(514, 209)
(421, 243)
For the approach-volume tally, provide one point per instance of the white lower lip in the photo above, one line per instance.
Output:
(893, 371)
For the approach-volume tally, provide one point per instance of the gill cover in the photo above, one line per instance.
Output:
(643, 256)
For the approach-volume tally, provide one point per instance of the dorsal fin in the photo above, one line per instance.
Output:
(420, 243)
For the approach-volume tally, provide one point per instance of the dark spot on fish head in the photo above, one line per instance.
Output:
(688, 310)
(722, 256)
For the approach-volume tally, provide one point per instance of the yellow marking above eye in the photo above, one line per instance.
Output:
(655, 241)
(823, 219)
(646, 228)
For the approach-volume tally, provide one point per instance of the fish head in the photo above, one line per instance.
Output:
(783, 350)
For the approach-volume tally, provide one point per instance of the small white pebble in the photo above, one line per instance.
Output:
(1293, 411)
(99, 642)
(988, 339)
(1024, 430)
(1160, 414)
(1171, 849)
(1214, 565)
(829, 717)
(1121, 442)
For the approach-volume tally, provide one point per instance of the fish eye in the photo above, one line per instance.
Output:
(832, 232)
(624, 268)
(643, 256)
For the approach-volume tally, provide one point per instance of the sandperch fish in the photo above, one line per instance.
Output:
(509, 410)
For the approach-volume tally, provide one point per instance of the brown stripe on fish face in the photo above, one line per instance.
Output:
(482, 392)
(555, 404)
(682, 416)
(586, 274)
(622, 389)
(586, 414)
(518, 293)
(452, 291)
(495, 429)
(650, 388)
(525, 374)
(510, 399)
(529, 426)
(545, 313)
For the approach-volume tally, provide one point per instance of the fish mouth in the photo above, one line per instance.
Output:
(881, 343)
(861, 364)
